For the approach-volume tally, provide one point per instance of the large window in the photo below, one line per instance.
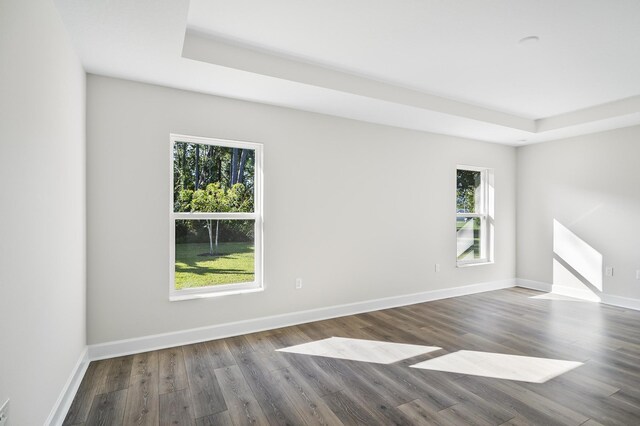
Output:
(474, 215)
(216, 217)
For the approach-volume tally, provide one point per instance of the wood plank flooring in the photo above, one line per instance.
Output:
(244, 380)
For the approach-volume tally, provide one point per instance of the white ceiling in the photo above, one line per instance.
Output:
(452, 67)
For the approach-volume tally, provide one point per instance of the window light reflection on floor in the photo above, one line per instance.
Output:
(360, 350)
(554, 296)
(499, 366)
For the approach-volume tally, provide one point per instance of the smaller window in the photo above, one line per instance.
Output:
(474, 223)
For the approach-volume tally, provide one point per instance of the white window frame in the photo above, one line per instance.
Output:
(485, 215)
(223, 289)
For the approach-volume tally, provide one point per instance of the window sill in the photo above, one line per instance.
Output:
(467, 265)
(210, 294)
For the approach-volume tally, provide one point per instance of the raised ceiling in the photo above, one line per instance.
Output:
(452, 67)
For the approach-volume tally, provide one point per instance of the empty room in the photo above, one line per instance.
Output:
(289, 212)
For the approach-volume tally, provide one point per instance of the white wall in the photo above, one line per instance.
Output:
(591, 186)
(358, 211)
(42, 194)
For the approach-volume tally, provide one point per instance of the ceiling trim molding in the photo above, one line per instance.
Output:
(151, 42)
(221, 52)
(216, 51)
(609, 110)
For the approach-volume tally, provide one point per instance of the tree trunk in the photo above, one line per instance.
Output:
(210, 229)
(212, 157)
(234, 166)
(217, 233)
(197, 182)
(243, 161)
(184, 165)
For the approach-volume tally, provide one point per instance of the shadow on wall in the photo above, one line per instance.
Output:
(577, 267)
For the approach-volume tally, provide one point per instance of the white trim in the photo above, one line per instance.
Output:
(607, 299)
(63, 403)
(216, 216)
(471, 168)
(217, 293)
(620, 301)
(228, 143)
(479, 262)
(474, 215)
(533, 285)
(576, 293)
(166, 340)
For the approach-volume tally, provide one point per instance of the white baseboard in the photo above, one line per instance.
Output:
(607, 299)
(622, 302)
(62, 405)
(183, 337)
(533, 285)
(576, 293)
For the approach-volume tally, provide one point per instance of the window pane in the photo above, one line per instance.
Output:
(213, 252)
(209, 178)
(468, 191)
(469, 238)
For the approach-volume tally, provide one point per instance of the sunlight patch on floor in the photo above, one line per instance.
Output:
(554, 296)
(499, 366)
(360, 350)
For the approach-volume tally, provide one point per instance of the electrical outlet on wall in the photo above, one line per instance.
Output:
(4, 414)
(608, 271)
(298, 283)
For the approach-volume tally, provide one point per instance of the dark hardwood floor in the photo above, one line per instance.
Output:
(244, 380)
